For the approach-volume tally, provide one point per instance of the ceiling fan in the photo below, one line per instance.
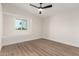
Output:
(40, 8)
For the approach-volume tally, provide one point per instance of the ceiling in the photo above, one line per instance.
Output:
(57, 8)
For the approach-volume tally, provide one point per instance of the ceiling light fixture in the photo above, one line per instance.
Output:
(40, 8)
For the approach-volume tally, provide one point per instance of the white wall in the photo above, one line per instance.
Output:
(1, 23)
(10, 34)
(63, 27)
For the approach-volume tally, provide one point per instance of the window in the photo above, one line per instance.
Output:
(21, 24)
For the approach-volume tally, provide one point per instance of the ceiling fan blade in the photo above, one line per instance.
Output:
(49, 6)
(34, 6)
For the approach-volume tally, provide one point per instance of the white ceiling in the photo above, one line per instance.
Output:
(57, 8)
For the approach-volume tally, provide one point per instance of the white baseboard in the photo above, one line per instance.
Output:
(18, 39)
(71, 43)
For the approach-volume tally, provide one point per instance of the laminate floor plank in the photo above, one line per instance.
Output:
(39, 47)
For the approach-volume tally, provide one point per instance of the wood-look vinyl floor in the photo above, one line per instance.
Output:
(39, 47)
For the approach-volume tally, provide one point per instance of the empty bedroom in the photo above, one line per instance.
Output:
(39, 29)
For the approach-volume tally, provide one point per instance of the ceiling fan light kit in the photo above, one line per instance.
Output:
(40, 8)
